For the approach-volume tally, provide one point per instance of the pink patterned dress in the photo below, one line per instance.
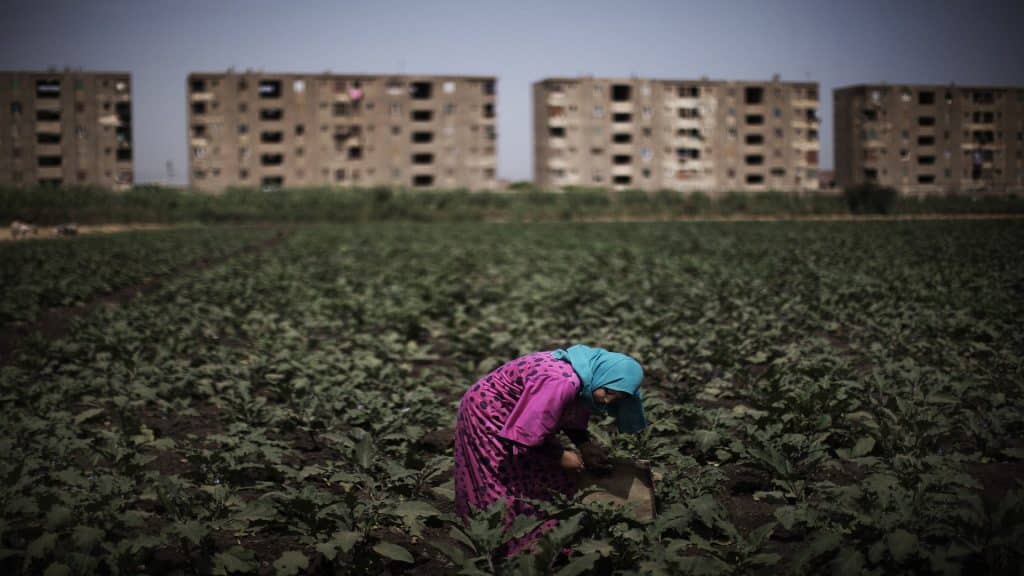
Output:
(505, 443)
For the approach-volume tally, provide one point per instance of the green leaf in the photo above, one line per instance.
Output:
(863, 447)
(416, 508)
(41, 546)
(901, 544)
(393, 551)
(291, 563)
(191, 530)
(765, 559)
(787, 516)
(365, 451)
(579, 565)
(706, 439)
(87, 415)
(347, 540)
(86, 537)
(235, 559)
(759, 357)
(601, 547)
(411, 511)
(848, 562)
(57, 517)
(57, 569)
(328, 549)
(821, 545)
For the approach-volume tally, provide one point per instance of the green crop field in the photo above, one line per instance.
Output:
(825, 397)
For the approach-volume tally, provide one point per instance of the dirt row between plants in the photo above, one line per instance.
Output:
(55, 323)
(50, 232)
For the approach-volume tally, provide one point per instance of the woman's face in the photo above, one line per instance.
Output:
(606, 396)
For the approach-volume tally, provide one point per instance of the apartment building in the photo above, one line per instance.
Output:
(687, 135)
(255, 129)
(66, 128)
(923, 139)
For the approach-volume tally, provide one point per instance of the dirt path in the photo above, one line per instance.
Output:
(55, 323)
(83, 229)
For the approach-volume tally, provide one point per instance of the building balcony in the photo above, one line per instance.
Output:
(804, 103)
(49, 172)
(689, 102)
(557, 143)
(621, 107)
(202, 142)
(981, 146)
(687, 123)
(622, 149)
(558, 121)
(556, 98)
(622, 169)
(687, 142)
(557, 163)
(48, 150)
(689, 164)
(622, 127)
(48, 127)
(48, 103)
(201, 97)
(807, 145)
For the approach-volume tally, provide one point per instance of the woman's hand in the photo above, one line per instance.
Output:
(595, 456)
(571, 461)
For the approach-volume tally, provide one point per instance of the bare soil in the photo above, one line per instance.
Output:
(84, 229)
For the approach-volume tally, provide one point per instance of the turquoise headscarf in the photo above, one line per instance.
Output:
(599, 368)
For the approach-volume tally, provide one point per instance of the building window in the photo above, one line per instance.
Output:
(270, 89)
(420, 90)
(271, 114)
(622, 93)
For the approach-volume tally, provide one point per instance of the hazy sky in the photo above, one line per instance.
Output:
(834, 43)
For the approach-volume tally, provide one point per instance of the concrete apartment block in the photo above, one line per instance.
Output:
(926, 139)
(687, 135)
(265, 130)
(66, 128)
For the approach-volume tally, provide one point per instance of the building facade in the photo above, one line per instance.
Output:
(66, 128)
(926, 139)
(292, 130)
(687, 135)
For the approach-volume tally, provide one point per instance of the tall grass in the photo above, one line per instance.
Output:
(165, 205)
